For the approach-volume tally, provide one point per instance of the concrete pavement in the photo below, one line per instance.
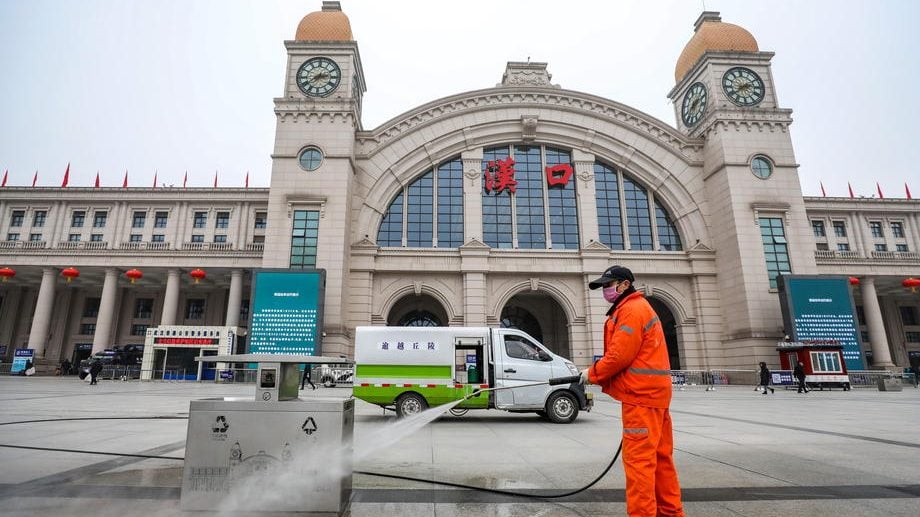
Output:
(738, 453)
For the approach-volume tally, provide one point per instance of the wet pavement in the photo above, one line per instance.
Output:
(738, 453)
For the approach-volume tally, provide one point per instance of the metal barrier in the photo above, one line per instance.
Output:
(871, 378)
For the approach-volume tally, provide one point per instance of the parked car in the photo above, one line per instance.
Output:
(331, 374)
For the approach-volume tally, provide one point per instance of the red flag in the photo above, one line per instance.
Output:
(66, 176)
(185, 179)
(823, 194)
(851, 189)
(247, 179)
(880, 196)
(124, 184)
(5, 174)
(97, 179)
(215, 179)
(906, 189)
(34, 179)
(155, 179)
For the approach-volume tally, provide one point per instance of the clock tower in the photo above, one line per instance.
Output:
(725, 95)
(313, 161)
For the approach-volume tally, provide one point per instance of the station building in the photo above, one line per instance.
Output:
(488, 207)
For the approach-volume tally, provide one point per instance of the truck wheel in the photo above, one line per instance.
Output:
(458, 412)
(562, 408)
(327, 382)
(409, 404)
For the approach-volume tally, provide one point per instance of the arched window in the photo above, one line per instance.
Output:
(541, 213)
(433, 200)
(521, 319)
(622, 203)
(419, 319)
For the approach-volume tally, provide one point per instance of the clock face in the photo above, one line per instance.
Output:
(318, 77)
(694, 104)
(743, 86)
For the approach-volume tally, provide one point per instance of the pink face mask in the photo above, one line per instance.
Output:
(611, 294)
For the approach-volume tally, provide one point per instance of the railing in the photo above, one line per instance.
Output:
(24, 245)
(150, 246)
(870, 378)
(710, 379)
(854, 256)
(42, 247)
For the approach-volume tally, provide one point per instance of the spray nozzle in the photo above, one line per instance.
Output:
(565, 380)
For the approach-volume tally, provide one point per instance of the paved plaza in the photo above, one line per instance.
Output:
(738, 453)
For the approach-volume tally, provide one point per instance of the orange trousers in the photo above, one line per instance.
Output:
(652, 489)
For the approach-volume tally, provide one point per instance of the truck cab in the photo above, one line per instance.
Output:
(413, 368)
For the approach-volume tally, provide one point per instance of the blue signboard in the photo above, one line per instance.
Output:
(287, 312)
(20, 357)
(821, 308)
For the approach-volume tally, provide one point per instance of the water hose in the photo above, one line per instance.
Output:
(552, 382)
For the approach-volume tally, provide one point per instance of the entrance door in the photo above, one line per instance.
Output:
(208, 370)
(81, 352)
(159, 364)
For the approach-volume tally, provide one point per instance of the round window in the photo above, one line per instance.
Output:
(311, 158)
(761, 167)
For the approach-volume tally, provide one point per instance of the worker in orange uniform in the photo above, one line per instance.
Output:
(636, 371)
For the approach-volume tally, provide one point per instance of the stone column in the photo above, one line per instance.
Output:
(171, 298)
(107, 309)
(41, 321)
(234, 298)
(9, 317)
(881, 355)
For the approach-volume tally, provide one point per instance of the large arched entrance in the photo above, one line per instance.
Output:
(540, 316)
(417, 311)
(670, 330)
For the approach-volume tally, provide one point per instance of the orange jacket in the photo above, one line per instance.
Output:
(635, 368)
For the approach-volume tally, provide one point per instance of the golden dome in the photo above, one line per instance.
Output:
(712, 34)
(330, 24)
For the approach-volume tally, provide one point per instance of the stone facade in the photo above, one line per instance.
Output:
(714, 292)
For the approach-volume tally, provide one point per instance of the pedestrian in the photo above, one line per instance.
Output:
(65, 367)
(916, 369)
(799, 373)
(307, 376)
(635, 370)
(765, 378)
(94, 368)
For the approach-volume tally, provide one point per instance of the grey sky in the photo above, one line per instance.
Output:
(180, 85)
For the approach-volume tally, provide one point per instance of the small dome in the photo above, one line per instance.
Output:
(330, 24)
(712, 34)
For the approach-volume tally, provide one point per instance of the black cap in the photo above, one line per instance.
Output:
(612, 273)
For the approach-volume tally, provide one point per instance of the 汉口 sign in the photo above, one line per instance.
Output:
(287, 312)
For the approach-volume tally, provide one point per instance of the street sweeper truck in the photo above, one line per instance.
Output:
(410, 369)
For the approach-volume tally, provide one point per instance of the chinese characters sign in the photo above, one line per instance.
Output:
(499, 175)
(819, 309)
(407, 345)
(287, 312)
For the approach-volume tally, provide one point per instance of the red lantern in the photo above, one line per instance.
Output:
(134, 274)
(197, 274)
(7, 273)
(70, 273)
(911, 283)
(854, 280)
